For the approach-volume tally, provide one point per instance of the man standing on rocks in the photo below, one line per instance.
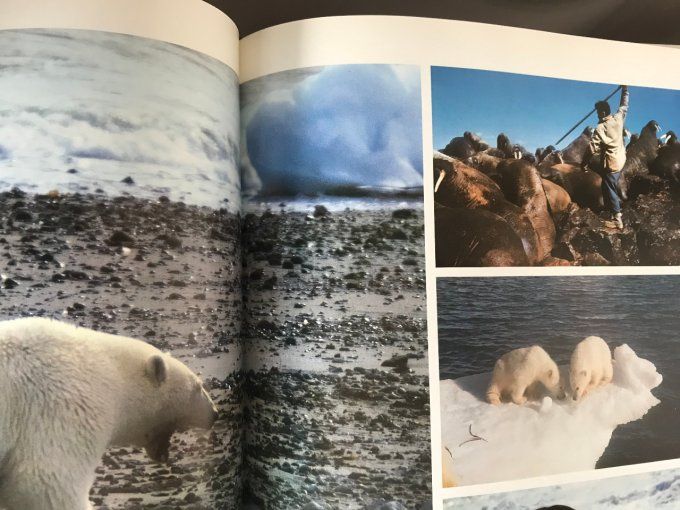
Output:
(607, 154)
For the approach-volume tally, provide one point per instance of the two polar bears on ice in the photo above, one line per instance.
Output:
(68, 393)
(518, 372)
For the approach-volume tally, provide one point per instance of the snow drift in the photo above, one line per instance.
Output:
(542, 437)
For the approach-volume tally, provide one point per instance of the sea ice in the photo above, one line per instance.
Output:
(540, 437)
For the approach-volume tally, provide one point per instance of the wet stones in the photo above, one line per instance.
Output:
(22, 215)
(120, 238)
(321, 211)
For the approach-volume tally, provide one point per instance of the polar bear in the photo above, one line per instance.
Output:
(519, 370)
(590, 367)
(67, 393)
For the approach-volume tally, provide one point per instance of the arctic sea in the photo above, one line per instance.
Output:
(479, 319)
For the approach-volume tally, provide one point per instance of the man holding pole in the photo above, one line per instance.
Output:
(607, 154)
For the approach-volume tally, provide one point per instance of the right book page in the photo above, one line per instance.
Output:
(461, 254)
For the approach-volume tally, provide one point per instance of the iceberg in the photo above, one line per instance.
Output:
(545, 436)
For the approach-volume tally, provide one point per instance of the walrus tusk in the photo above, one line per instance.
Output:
(442, 174)
(559, 155)
(663, 138)
(518, 155)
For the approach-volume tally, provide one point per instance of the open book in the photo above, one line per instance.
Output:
(278, 272)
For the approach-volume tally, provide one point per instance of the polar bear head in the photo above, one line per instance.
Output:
(177, 402)
(553, 380)
(580, 379)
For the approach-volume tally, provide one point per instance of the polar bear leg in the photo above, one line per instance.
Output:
(39, 489)
(608, 374)
(493, 394)
(517, 395)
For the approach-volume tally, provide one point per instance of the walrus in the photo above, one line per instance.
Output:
(476, 141)
(640, 156)
(459, 185)
(542, 153)
(558, 198)
(670, 138)
(584, 186)
(459, 147)
(466, 146)
(572, 154)
(485, 163)
(521, 184)
(475, 238)
(667, 163)
(510, 150)
(519, 152)
(503, 144)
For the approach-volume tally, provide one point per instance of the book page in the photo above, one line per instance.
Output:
(120, 296)
(549, 223)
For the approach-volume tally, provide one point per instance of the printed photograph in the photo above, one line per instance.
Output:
(656, 489)
(534, 171)
(334, 270)
(565, 373)
(120, 300)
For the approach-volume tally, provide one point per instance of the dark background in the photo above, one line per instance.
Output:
(649, 21)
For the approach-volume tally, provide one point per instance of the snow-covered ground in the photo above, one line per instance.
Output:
(644, 491)
(545, 436)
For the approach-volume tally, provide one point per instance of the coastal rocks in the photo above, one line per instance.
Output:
(651, 235)
(333, 426)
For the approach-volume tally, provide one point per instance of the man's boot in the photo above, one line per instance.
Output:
(617, 222)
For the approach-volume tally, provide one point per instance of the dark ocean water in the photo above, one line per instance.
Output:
(482, 318)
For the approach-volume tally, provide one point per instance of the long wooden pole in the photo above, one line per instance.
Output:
(584, 118)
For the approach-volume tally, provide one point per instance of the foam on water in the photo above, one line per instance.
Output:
(111, 106)
(332, 203)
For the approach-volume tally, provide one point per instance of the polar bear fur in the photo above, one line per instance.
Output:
(519, 370)
(68, 393)
(590, 367)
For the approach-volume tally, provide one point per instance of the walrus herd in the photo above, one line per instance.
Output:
(506, 206)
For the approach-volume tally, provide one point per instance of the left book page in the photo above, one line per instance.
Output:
(119, 256)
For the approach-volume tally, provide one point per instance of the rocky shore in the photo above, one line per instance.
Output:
(161, 271)
(336, 347)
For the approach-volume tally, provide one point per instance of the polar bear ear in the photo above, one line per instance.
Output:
(584, 372)
(156, 369)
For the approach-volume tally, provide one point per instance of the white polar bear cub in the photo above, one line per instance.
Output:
(68, 393)
(591, 366)
(520, 369)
